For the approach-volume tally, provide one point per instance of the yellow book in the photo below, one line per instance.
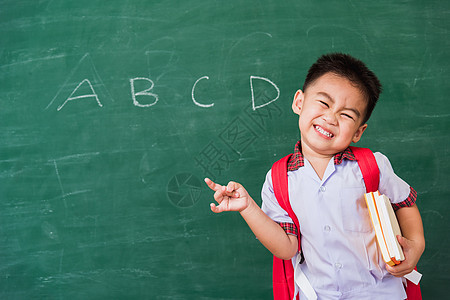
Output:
(390, 227)
(385, 226)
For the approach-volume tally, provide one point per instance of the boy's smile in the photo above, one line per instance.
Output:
(331, 111)
(323, 131)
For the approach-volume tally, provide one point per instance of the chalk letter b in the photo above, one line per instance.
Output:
(143, 93)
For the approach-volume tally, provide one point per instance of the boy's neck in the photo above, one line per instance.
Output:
(318, 161)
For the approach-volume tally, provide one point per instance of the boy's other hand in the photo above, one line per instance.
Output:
(232, 197)
(412, 256)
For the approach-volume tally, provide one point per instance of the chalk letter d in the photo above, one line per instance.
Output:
(255, 107)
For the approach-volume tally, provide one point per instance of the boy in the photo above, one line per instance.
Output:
(326, 192)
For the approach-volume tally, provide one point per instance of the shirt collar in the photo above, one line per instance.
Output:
(297, 160)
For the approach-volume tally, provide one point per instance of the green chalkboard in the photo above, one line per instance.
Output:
(113, 112)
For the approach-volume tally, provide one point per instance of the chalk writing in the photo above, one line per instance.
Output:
(138, 97)
(147, 92)
(255, 107)
(92, 95)
(84, 66)
(193, 98)
(143, 93)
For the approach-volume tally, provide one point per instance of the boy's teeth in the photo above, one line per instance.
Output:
(322, 131)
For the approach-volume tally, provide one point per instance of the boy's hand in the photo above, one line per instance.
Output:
(412, 256)
(232, 197)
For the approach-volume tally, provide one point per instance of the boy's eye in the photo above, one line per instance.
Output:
(348, 116)
(324, 103)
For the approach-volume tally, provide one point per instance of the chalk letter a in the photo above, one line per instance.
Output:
(94, 94)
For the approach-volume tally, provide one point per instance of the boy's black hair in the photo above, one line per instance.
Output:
(352, 69)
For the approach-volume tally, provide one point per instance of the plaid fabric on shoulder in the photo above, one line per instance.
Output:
(410, 201)
(289, 228)
(296, 161)
(347, 154)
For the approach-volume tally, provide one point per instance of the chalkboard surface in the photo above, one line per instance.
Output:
(113, 112)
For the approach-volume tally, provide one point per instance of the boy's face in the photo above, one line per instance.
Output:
(331, 111)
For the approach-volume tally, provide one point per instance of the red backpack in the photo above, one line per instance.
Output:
(283, 271)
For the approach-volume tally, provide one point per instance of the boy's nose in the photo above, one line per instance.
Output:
(330, 118)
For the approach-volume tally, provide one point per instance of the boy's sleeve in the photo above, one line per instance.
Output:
(400, 193)
(271, 207)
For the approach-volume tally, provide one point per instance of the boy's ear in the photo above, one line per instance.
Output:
(359, 133)
(298, 102)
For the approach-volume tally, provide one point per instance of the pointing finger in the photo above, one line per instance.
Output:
(212, 185)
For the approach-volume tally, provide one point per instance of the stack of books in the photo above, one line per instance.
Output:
(386, 227)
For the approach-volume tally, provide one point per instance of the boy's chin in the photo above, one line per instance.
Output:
(328, 150)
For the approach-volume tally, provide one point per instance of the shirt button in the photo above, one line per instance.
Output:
(338, 265)
(322, 188)
(327, 228)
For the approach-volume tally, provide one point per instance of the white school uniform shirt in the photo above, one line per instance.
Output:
(342, 260)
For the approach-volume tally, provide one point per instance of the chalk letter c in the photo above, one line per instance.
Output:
(193, 98)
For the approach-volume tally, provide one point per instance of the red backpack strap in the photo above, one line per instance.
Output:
(369, 167)
(282, 279)
(283, 271)
(413, 291)
(281, 190)
(371, 175)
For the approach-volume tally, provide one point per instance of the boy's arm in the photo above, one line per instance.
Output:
(412, 242)
(234, 197)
